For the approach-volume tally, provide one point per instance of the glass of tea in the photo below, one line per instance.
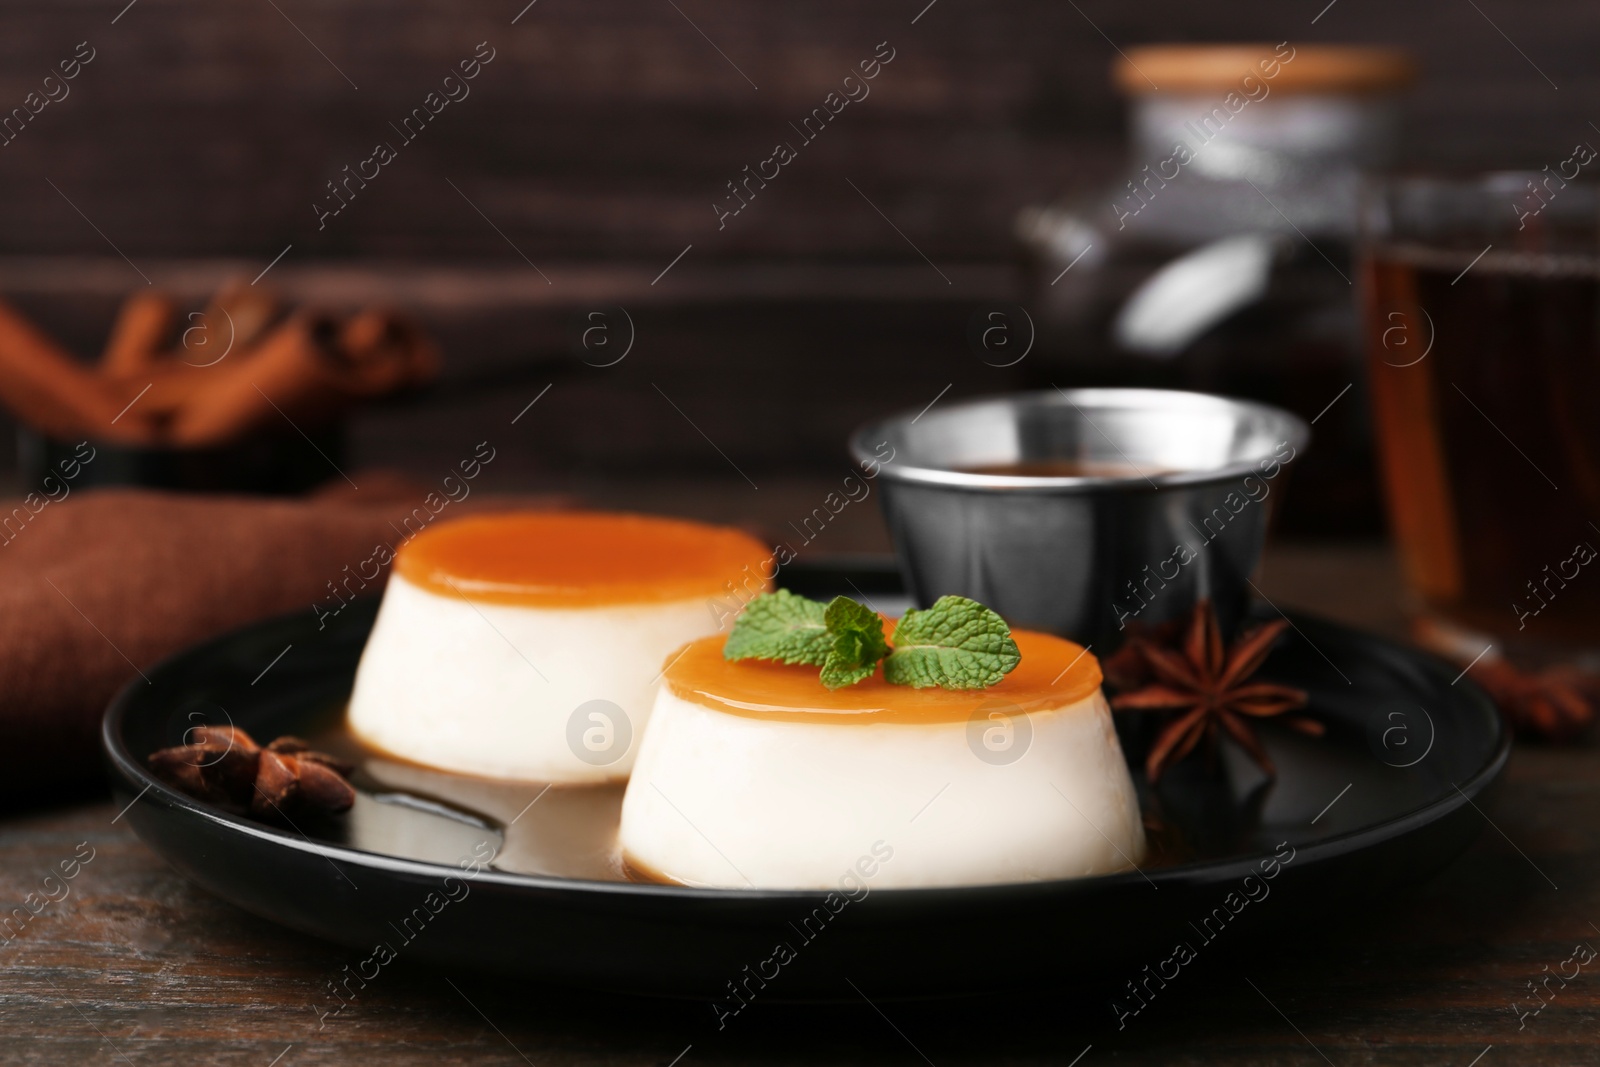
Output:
(1481, 304)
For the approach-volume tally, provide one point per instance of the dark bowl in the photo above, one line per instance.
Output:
(1172, 505)
(275, 464)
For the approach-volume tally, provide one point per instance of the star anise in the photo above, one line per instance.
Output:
(1207, 686)
(225, 766)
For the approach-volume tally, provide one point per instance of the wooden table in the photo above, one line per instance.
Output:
(136, 966)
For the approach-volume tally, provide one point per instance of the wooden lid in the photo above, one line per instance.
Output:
(1202, 68)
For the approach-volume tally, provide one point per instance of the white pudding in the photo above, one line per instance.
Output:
(753, 775)
(530, 646)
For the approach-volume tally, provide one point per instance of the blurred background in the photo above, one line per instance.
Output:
(589, 158)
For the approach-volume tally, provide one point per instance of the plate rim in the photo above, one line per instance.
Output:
(130, 773)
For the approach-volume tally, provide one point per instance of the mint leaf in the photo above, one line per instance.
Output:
(780, 626)
(956, 644)
(858, 643)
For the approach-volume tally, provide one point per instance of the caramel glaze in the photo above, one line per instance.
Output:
(1066, 468)
(564, 830)
(584, 559)
(635, 871)
(1052, 673)
(569, 831)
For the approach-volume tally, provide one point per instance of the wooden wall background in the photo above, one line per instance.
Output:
(596, 141)
(604, 128)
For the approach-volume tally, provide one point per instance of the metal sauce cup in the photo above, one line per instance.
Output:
(1114, 505)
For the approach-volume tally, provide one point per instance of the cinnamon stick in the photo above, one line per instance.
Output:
(236, 318)
(387, 351)
(139, 334)
(47, 388)
(233, 372)
(292, 375)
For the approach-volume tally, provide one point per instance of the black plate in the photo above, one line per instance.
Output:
(1384, 800)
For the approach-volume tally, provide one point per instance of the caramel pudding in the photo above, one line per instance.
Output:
(753, 775)
(529, 645)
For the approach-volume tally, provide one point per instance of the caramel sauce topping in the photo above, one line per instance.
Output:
(1053, 672)
(583, 559)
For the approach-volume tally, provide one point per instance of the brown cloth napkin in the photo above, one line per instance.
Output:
(107, 581)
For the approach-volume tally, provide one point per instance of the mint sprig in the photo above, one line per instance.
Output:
(858, 643)
(955, 644)
(782, 627)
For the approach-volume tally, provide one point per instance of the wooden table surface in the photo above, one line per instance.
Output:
(134, 965)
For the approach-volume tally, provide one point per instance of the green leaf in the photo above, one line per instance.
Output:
(780, 626)
(858, 643)
(956, 644)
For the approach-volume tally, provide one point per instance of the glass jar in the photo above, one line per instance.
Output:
(1222, 259)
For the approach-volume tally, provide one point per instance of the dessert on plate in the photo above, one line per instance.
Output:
(756, 774)
(529, 645)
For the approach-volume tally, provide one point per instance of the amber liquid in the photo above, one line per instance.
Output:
(1486, 396)
(565, 831)
(1065, 468)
